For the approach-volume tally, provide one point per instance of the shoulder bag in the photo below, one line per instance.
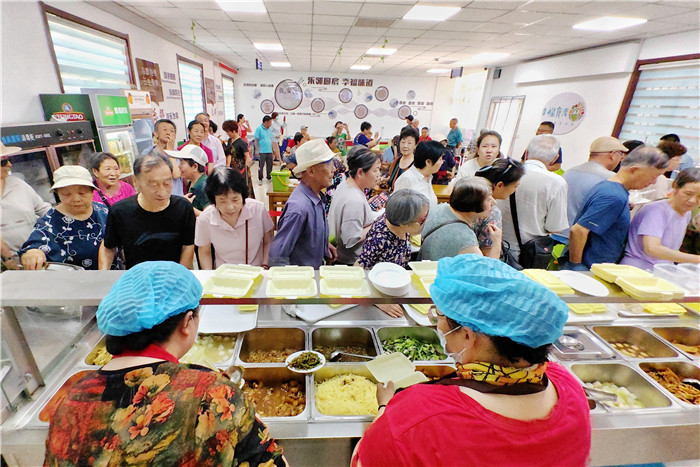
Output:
(537, 253)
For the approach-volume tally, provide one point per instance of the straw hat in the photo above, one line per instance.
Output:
(69, 175)
(8, 150)
(309, 154)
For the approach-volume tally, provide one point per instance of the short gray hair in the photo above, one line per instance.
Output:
(404, 206)
(646, 156)
(149, 162)
(544, 148)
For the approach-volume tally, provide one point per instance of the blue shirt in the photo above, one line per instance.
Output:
(454, 137)
(580, 180)
(302, 231)
(361, 138)
(264, 138)
(64, 239)
(606, 213)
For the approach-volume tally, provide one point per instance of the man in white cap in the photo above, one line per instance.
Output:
(193, 167)
(606, 153)
(302, 234)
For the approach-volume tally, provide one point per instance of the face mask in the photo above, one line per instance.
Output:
(457, 357)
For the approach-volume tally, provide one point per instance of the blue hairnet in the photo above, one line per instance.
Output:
(492, 298)
(146, 295)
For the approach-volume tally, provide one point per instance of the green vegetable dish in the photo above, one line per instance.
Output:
(413, 348)
(305, 361)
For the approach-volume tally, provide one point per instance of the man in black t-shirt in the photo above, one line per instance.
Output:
(153, 225)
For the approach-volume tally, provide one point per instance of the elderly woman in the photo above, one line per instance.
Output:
(198, 134)
(448, 232)
(72, 231)
(20, 206)
(408, 140)
(488, 147)
(657, 230)
(106, 171)
(506, 404)
(504, 176)
(350, 215)
(239, 228)
(144, 407)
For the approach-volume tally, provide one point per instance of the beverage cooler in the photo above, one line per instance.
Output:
(141, 109)
(45, 147)
(109, 117)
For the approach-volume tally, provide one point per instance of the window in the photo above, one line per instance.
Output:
(663, 97)
(191, 87)
(229, 108)
(504, 117)
(87, 55)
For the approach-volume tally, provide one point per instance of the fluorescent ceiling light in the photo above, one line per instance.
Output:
(360, 67)
(242, 6)
(273, 47)
(438, 70)
(430, 13)
(380, 51)
(488, 57)
(609, 23)
(281, 64)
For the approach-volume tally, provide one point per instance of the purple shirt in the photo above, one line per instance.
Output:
(660, 220)
(302, 231)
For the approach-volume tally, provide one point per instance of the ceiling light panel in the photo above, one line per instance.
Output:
(242, 6)
(281, 64)
(360, 67)
(430, 13)
(438, 70)
(609, 23)
(268, 47)
(383, 52)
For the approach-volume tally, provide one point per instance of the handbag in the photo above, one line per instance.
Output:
(536, 253)
(508, 257)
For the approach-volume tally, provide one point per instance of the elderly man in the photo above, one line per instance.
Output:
(454, 137)
(540, 199)
(264, 143)
(302, 234)
(547, 128)
(153, 225)
(600, 229)
(212, 142)
(605, 153)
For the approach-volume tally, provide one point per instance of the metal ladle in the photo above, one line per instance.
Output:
(571, 343)
(336, 354)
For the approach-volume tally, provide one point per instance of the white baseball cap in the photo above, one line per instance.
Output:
(191, 151)
(309, 154)
(69, 175)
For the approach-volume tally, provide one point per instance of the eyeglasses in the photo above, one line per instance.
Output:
(434, 314)
(482, 171)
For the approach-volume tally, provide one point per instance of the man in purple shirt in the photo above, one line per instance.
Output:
(302, 234)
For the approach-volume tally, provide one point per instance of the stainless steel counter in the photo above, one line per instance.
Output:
(664, 434)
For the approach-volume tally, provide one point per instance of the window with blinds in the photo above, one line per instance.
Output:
(666, 100)
(191, 87)
(87, 57)
(229, 108)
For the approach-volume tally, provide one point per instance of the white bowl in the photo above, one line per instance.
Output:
(390, 279)
(289, 359)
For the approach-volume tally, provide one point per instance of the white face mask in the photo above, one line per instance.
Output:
(457, 357)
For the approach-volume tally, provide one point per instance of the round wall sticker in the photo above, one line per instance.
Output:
(565, 110)
(381, 93)
(317, 105)
(411, 94)
(361, 111)
(332, 114)
(288, 94)
(404, 111)
(393, 102)
(267, 106)
(345, 95)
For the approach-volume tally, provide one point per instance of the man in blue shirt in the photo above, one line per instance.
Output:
(454, 137)
(263, 140)
(601, 226)
(365, 136)
(302, 233)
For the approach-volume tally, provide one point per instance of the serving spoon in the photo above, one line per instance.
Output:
(337, 354)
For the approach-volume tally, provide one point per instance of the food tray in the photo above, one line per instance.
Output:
(268, 339)
(239, 270)
(344, 286)
(329, 371)
(624, 376)
(230, 286)
(424, 268)
(395, 367)
(636, 336)
(681, 369)
(343, 337)
(213, 362)
(275, 376)
(680, 334)
(291, 272)
(591, 348)
(649, 288)
(549, 280)
(609, 272)
(582, 313)
(342, 271)
(424, 334)
(291, 288)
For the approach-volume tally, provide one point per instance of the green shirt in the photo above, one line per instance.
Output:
(200, 198)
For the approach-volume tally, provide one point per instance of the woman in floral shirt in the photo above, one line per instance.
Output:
(388, 238)
(146, 408)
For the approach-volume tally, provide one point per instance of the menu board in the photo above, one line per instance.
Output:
(149, 77)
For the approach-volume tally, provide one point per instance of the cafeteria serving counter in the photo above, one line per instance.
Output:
(49, 331)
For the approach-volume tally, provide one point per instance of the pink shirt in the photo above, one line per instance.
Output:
(125, 191)
(230, 242)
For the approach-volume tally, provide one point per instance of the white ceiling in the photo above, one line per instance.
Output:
(320, 35)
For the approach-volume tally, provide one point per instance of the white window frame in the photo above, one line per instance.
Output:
(191, 100)
(229, 102)
(504, 117)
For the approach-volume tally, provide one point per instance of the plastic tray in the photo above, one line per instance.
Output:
(227, 286)
(345, 287)
(609, 272)
(424, 268)
(291, 288)
(342, 271)
(291, 272)
(238, 270)
(395, 367)
(549, 280)
(588, 308)
(649, 288)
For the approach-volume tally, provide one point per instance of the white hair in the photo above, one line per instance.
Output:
(544, 148)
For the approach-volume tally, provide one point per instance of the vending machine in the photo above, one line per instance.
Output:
(109, 116)
(141, 109)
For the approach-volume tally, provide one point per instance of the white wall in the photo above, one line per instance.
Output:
(28, 70)
(602, 92)
(458, 98)
(255, 86)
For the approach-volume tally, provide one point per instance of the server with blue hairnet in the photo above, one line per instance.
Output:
(144, 407)
(506, 404)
